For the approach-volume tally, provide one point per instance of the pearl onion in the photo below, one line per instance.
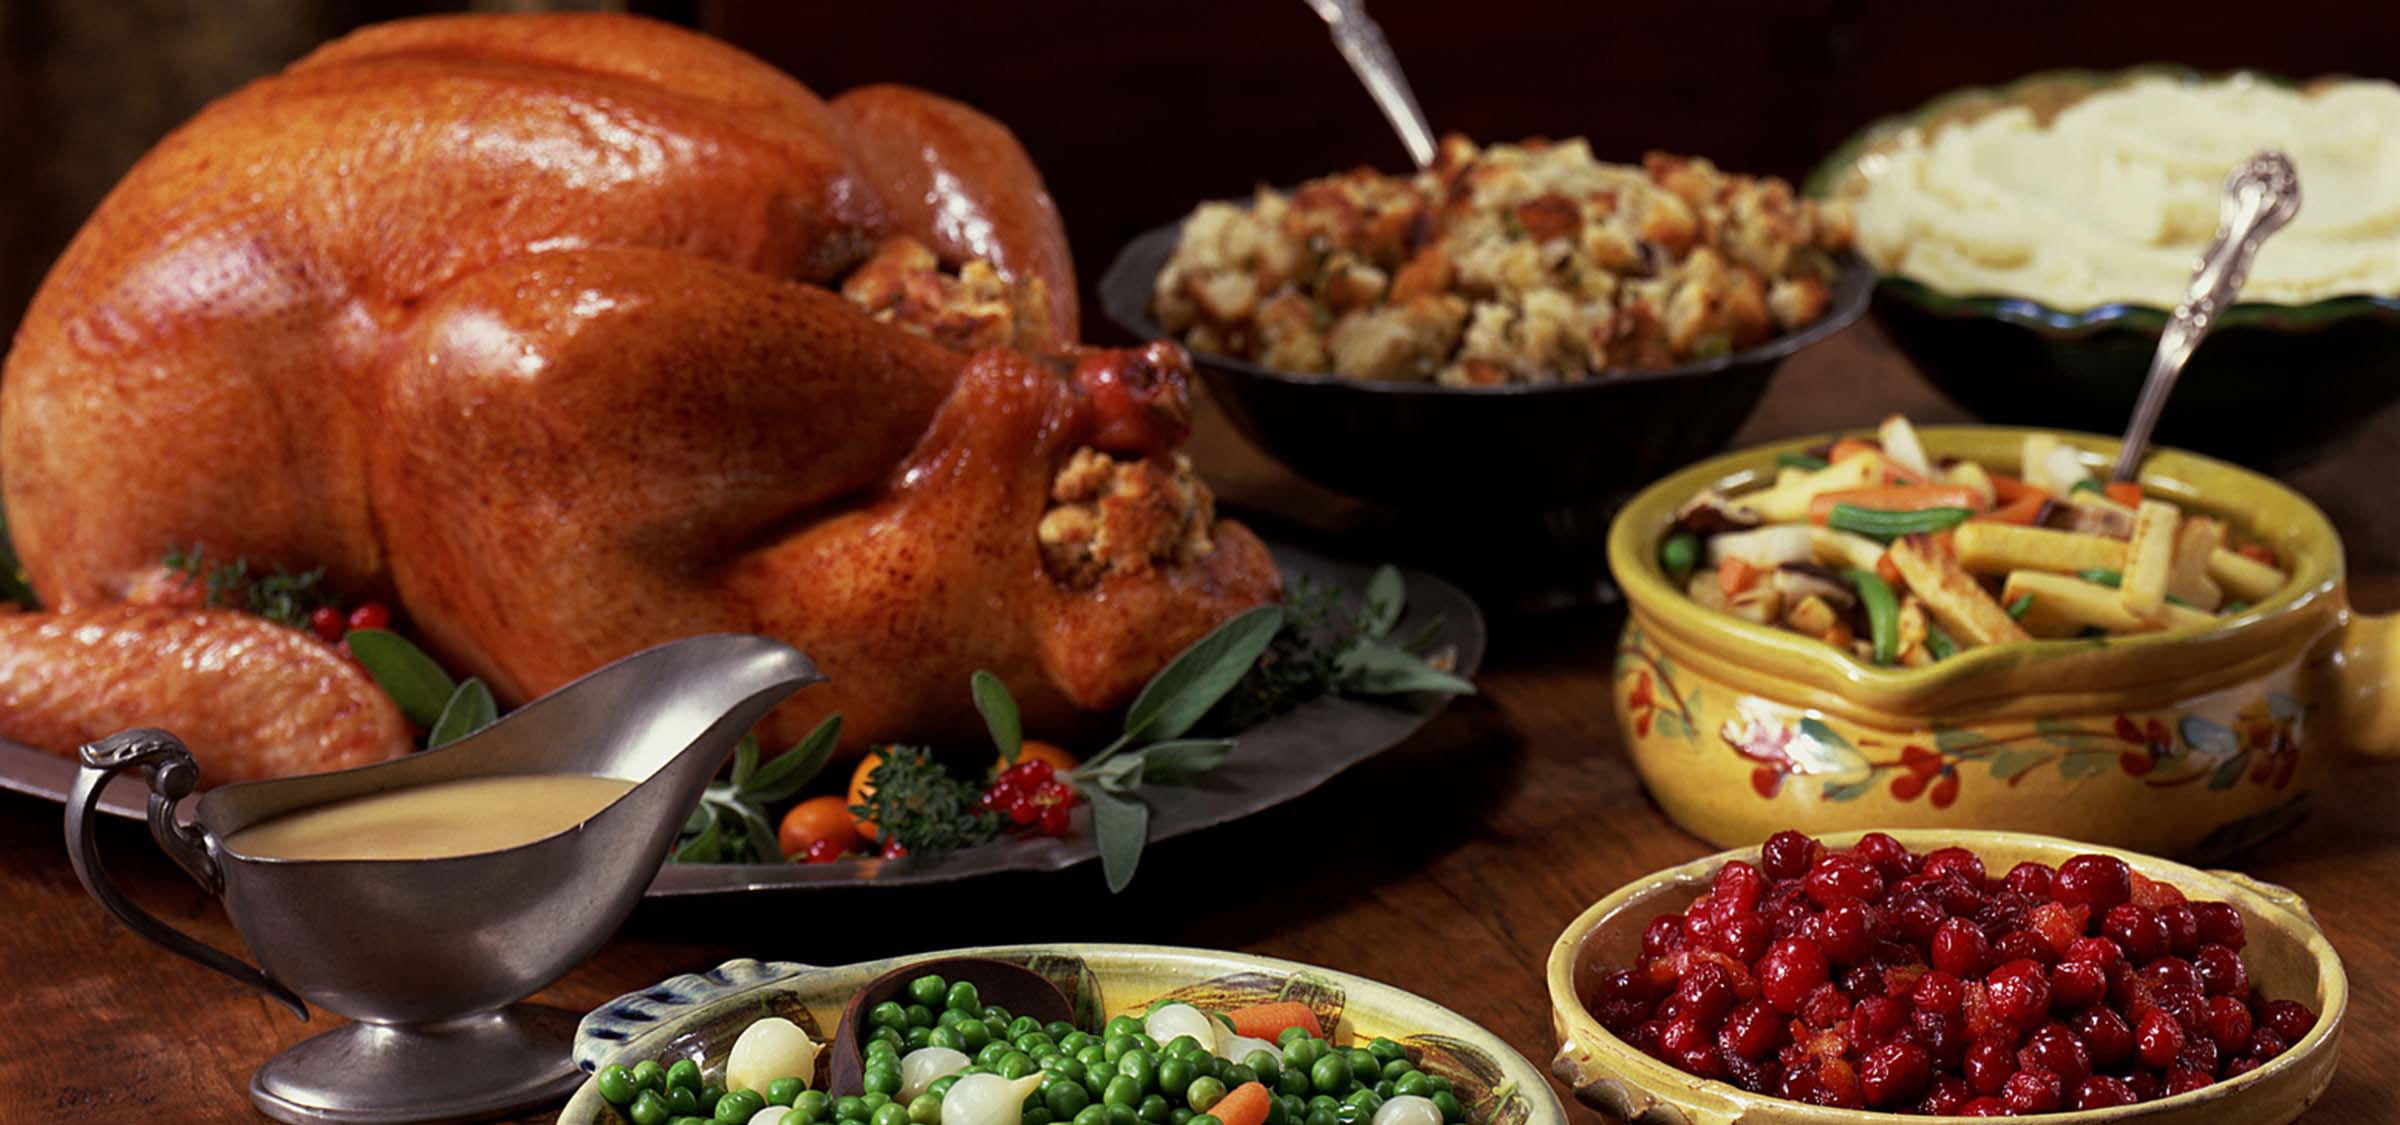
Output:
(769, 1049)
(1182, 1019)
(771, 1115)
(988, 1099)
(1238, 1047)
(1408, 1109)
(925, 1066)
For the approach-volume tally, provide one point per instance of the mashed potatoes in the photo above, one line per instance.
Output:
(2114, 199)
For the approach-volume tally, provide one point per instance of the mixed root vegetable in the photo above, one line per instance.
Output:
(1875, 548)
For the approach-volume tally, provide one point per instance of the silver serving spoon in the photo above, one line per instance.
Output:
(2261, 195)
(1361, 41)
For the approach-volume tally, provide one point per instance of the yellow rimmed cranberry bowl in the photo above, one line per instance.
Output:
(2194, 742)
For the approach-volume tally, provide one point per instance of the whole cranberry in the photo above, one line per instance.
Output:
(1862, 980)
(2289, 1020)
(1989, 1063)
(1703, 1059)
(1884, 854)
(1959, 949)
(1915, 916)
(2265, 1044)
(1791, 969)
(2054, 1048)
(2221, 971)
(2105, 1036)
(2172, 973)
(1751, 1031)
(1959, 897)
(2158, 1039)
(1824, 1007)
(1737, 887)
(2183, 928)
(2138, 930)
(2075, 985)
(1842, 878)
(1787, 854)
(1682, 1034)
(2023, 945)
(2029, 879)
(2243, 1065)
(1944, 1097)
(2220, 924)
(1893, 1074)
(1705, 993)
(2094, 881)
(2019, 992)
(1936, 991)
(1743, 937)
(2229, 1023)
(1649, 1038)
(1954, 861)
(2101, 1092)
(1943, 1035)
(1622, 1000)
(2031, 1091)
(1663, 936)
(1845, 931)
(1700, 924)
(2096, 950)
(2145, 1085)
(2199, 1053)
(1984, 1107)
(1875, 1020)
(2184, 1080)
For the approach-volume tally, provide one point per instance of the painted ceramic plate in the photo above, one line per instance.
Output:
(699, 1015)
(1275, 761)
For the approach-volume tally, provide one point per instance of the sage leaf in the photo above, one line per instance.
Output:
(705, 847)
(999, 714)
(754, 824)
(1368, 668)
(1117, 775)
(409, 676)
(1121, 826)
(745, 759)
(1386, 596)
(469, 709)
(1171, 762)
(777, 780)
(1192, 683)
(14, 585)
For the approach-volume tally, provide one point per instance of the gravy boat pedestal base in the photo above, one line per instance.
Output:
(467, 1069)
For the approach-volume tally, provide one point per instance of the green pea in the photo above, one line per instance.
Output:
(887, 1014)
(784, 1091)
(1137, 1066)
(941, 1086)
(1285, 1037)
(1094, 1057)
(891, 1035)
(1176, 1073)
(1330, 1074)
(1262, 1062)
(996, 1012)
(918, 1015)
(812, 1105)
(1153, 1110)
(683, 1101)
(993, 1052)
(1205, 1119)
(1184, 1046)
(919, 1038)
(874, 1101)
(1397, 1067)
(1035, 1115)
(890, 1113)
(882, 1080)
(1122, 1089)
(649, 1108)
(684, 1072)
(1440, 1083)
(1203, 1093)
(1122, 1115)
(850, 1107)
(1075, 1041)
(1365, 1066)
(1037, 1044)
(928, 990)
(1293, 1081)
(1238, 1075)
(1320, 1117)
(1065, 1099)
(693, 1120)
(710, 1093)
(1385, 1050)
(1121, 1025)
(647, 1075)
(737, 1106)
(1414, 1084)
(925, 1109)
(1347, 1114)
(882, 1048)
(1325, 1102)
(1092, 1115)
(1294, 1108)
(1383, 1089)
(963, 996)
(972, 1035)
(1367, 1101)
(1023, 1026)
(1058, 1029)
(1448, 1103)
(1275, 1115)
(1180, 1116)
(1015, 1064)
(1302, 1054)
(616, 1083)
(1214, 1067)
(946, 1037)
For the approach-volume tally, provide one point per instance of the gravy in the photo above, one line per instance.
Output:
(447, 818)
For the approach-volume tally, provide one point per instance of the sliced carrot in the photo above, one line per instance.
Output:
(1266, 1021)
(1895, 498)
(2023, 510)
(2123, 492)
(1839, 636)
(1245, 1104)
(1851, 447)
(2008, 490)
(1888, 570)
(2258, 552)
(1735, 576)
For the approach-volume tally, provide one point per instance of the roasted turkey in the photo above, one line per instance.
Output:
(570, 335)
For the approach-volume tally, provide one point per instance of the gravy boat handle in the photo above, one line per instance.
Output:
(172, 775)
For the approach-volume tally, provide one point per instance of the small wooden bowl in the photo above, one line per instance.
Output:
(1014, 987)
(2287, 955)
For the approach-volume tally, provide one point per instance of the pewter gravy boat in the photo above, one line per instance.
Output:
(432, 956)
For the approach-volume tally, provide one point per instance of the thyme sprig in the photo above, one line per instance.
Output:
(279, 595)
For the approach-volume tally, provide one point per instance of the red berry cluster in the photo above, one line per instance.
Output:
(1033, 798)
(1874, 978)
(331, 625)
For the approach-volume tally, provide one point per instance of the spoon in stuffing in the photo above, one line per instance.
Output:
(1361, 41)
(2261, 196)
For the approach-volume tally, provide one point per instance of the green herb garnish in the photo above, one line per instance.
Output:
(14, 585)
(279, 595)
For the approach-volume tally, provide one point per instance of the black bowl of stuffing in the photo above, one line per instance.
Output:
(1519, 326)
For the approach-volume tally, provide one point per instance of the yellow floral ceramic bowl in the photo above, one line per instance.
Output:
(2188, 743)
(699, 1015)
(2287, 955)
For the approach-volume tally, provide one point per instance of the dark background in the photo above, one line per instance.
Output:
(1136, 108)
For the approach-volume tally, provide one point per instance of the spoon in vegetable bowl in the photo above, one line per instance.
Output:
(2261, 196)
(1361, 41)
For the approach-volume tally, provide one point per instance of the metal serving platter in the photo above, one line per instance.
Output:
(1273, 762)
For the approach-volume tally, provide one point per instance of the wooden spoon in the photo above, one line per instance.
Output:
(1014, 987)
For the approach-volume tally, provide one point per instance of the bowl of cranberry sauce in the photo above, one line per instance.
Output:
(1945, 973)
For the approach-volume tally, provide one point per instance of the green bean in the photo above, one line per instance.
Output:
(1800, 461)
(1678, 555)
(2102, 577)
(1887, 526)
(1938, 643)
(2017, 608)
(1883, 612)
(2087, 484)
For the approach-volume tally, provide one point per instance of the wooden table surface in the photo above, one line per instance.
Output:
(1446, 867)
